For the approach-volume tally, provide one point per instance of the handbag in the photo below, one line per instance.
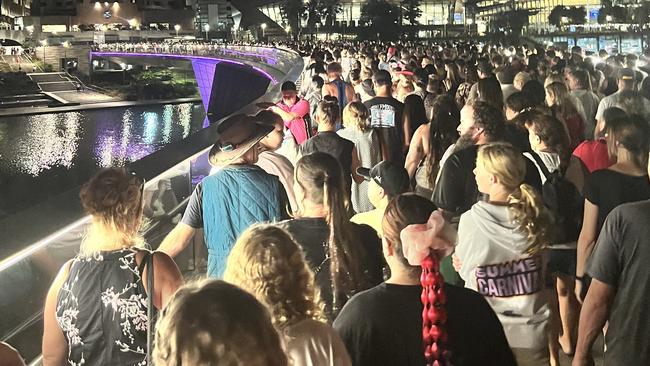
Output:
(147, 262)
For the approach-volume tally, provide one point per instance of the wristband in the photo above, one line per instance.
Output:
(580, 278)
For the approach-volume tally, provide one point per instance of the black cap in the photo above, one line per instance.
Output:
(288, 85)
(626, 74)
(391, 177)
(484, 66)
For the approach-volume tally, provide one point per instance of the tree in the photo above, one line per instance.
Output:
(329, 9)
(514, 20)
(292, 11)
(381, 19)
(617, 13)
(642, 15)
(573, 15)
(577, 14)
(312, 14)
(411, 11)
(555, 16)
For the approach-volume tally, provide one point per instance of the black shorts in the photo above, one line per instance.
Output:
(562, 261)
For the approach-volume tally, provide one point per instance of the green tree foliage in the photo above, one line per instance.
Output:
(513, 21)
(619, 14)
(642, 15)
(573, 14)
(411, 11)
(381, 20)
(292, 11)
(328, 9)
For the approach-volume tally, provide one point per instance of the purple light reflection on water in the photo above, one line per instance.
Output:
(44, 155)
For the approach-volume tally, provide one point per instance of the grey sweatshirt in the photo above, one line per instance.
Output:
(494, 263)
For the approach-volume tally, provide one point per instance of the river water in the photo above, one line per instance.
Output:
(44, 155)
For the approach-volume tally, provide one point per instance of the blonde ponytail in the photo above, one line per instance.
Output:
(530, 214)
(526, 206)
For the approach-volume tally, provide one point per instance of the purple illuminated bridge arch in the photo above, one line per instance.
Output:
(204, 69)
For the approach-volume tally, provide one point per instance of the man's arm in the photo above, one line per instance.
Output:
(177, 239)
(180, 236)
(594, 315)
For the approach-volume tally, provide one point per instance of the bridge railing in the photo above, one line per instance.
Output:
(32, 251)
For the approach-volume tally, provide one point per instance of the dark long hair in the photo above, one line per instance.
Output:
(553, 133)
(414, 112)
(489, 90)
(442, 131)
(321, 177)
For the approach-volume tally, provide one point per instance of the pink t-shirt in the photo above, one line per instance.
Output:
(593, 154)
(299, 127)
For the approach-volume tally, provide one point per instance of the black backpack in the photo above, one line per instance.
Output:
(564, 201)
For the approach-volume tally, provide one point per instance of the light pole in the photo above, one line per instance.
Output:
(44, 44)
(206, 28)
(177, 27)
(65, 45)
(263, 30)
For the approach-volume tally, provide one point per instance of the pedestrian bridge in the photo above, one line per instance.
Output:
(220, 72)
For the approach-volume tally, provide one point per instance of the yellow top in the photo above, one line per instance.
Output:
(371, 218)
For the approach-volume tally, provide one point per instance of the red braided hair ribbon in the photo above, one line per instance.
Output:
(424, 244)
(434, 315)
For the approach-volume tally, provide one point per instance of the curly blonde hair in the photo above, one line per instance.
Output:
(113, 198)
(214, 323)
(526, 206)
(268, 263)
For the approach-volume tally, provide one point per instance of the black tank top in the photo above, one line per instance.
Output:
(102, 310)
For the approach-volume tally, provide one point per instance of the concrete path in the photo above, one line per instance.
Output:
(93, 105)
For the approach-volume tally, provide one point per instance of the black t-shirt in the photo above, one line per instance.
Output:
(383, 326)
(312, 234)
(607, 189)
(335, 145)
(456, 190)
(386, 119)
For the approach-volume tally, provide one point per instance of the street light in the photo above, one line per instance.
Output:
(65, 45)
(177, 27)
(44, 44)
(609, 18)
(206, 28)
(263, 30)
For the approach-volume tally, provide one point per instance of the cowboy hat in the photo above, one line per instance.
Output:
(237, 135)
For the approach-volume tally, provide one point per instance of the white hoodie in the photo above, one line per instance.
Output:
(494, 263)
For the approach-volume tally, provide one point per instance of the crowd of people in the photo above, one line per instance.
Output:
(519, 175)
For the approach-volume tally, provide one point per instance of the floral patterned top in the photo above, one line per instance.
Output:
(102, 310)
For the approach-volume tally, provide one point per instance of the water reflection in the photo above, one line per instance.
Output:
(47, 154)
(47, 140)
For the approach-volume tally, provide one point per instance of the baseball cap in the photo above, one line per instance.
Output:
(626, 74)
(484, 66)
(391, 177)
(288, 85)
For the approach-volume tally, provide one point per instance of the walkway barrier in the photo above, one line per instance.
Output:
(36, 243)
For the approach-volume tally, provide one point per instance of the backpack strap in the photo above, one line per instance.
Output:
(147, 261)
(540, 164)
